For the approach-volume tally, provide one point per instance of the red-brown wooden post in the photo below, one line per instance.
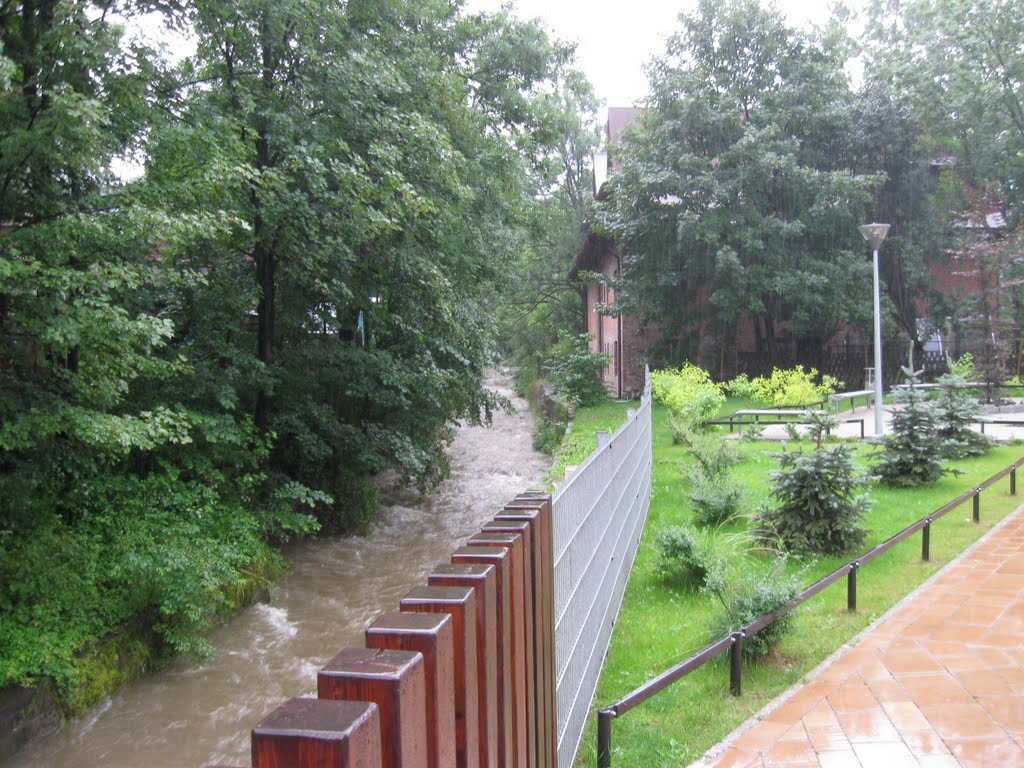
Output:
(512, 543)
(394, 681)
(525, 611)
(535, 507)
(499, 558)
(482, 579)
(461, 604)
(430, 634)
(313, 732)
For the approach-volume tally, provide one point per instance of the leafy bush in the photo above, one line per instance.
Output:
(741, 386)
(819, 507)
(685, 556)
(964, 367)
(578, 372)
(745, 592)
(689, 393)
(548, 436)
(170, 549)
(793, 387)
(716, 498)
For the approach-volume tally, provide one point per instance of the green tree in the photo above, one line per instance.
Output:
(912, 454)
(737, 195)
(378, 158)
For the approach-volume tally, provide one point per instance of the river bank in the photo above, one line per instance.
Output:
(184, 715)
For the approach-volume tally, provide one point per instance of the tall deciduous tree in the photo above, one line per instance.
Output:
(737, 196)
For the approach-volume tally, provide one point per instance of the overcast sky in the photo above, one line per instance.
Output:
(615, 39)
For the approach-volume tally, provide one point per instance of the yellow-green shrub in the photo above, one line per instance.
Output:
(794, 386)
(688, 392)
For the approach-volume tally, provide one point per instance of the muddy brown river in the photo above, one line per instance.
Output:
(186, 716)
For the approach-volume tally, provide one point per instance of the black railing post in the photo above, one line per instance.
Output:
(851, 587)
(1013, 480)
(604, 737)
(977, 505)
(926, 535)
(736, 664)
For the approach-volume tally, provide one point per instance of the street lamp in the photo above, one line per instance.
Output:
(875, 234)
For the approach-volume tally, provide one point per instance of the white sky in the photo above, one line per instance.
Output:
(615, 39)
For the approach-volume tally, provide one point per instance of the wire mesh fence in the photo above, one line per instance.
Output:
(599, 514)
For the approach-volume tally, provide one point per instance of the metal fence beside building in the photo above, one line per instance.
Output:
(598, 516)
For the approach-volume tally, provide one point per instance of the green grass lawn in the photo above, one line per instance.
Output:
(660, 626)
(581, 441)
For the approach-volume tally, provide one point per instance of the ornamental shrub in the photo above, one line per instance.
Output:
(793, 387)
(685, 556)
(818, 502)
(956, 413)
(912, 452)
(576, 371)
(747, 590)
(689, 393)
(715, 496)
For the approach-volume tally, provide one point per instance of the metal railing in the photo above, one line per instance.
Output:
(598, 516)
(733, 642)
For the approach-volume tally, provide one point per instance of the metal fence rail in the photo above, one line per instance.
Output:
(599, 514)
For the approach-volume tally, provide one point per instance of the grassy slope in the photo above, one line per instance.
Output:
(659, 627)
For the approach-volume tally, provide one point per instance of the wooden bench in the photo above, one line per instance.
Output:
(838, 397)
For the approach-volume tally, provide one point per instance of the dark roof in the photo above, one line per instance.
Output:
(595, 247)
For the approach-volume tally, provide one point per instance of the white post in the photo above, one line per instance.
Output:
(878, 353)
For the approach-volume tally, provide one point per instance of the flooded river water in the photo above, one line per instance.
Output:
(186, 716)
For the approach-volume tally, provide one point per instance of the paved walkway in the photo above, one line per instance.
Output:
(939, 682)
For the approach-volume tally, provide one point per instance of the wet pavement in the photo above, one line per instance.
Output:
(938, 682)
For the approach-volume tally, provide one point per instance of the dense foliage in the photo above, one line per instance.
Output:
(296, 294)
(689, 393)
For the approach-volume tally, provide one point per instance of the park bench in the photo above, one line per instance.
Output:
(838, 397)
(771, 416)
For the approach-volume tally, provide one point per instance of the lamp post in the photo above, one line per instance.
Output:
(875, 234)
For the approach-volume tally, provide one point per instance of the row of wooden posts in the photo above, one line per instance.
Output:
(461, 676)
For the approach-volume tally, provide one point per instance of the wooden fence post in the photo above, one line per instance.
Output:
(430, 635)
(462, 605)
(314, 732)
(482, 580)
(395, 682)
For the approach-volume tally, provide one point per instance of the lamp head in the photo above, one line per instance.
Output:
(874, 234)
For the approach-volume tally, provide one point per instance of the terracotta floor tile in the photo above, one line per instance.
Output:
(845, 758)
(795, 733)
(888, 691)
(924, 742)
(737, 758)
(988, 753)
(999, 638)
(828, 738)
(983, 683)
(867, 725)
(906, 716)
(982, 615)
(910, 662)
(955, 633)
(852, 697)
(1008, 711)
(821, 716)
(789, 752)
(928, 690)
(761, 736)
(938, 761)
(890, 754)
(963, 722)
